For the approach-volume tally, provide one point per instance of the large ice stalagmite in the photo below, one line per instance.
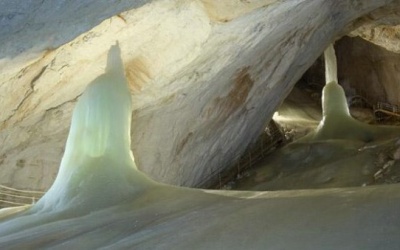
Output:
(97, 169)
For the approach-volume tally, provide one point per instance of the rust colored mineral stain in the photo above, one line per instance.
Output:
(222, 107)
(227, 105)
(137, 73)
(183, 142)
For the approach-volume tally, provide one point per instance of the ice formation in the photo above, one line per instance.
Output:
(97, 158)
(100, 199)
(330, 65)
(337, 123)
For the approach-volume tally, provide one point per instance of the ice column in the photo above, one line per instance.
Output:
(330, 64)
(334, 101)
(98, 169)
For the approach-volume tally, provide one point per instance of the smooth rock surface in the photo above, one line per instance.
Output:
(376, 74)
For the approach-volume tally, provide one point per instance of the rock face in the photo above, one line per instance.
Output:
(35, 26)
(369, 70)
(205, 77)
(380, 27)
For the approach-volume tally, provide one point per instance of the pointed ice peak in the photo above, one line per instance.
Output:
(114, 61)
(101, 119)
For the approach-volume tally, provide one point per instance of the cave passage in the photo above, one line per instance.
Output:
(340, 152)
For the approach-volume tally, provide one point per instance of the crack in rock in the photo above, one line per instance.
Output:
(27, 95)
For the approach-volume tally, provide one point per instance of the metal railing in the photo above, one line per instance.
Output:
(11, 197)
(272, 138)
(384, 111)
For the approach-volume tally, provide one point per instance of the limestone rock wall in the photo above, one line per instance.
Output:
(380, 27)
(369, 70)
(204, 80)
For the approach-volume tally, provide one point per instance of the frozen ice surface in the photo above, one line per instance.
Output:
(177, 218)
(101, 201)
(321, 164)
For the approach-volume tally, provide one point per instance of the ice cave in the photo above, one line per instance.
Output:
(200, 124)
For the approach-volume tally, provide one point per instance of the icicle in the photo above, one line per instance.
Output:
(336, 119)
(330, 65)
(334, 101)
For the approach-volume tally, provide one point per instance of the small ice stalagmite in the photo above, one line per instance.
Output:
(337, 122)
(334, 101)
(335, 111)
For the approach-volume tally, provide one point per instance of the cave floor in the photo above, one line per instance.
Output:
(325, 164)
(166, 217)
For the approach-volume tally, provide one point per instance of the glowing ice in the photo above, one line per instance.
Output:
(97, 169)
(98, 162)
(337, 123)
(330, 65)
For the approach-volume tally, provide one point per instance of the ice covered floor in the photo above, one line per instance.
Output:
(174, 218)
(325, 164)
